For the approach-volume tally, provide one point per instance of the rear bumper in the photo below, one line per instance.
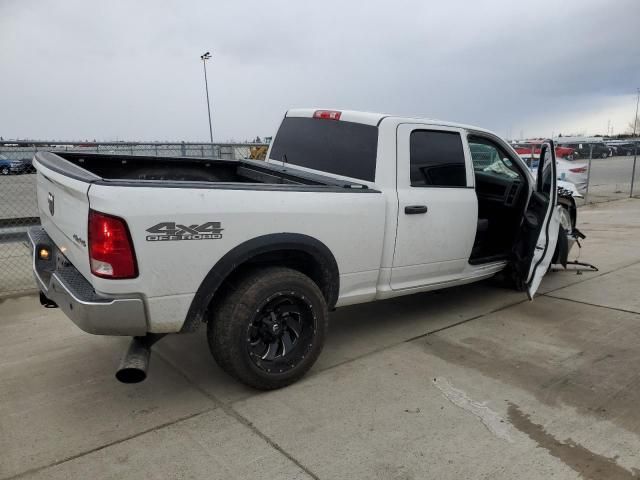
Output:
(61, 283)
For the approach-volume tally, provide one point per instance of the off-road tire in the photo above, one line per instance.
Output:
(231, 318)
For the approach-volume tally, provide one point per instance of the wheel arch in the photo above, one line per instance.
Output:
(298, 251)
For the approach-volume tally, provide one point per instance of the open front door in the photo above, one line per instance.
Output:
(539, 235)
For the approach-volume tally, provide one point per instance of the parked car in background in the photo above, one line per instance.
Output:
(568, 171)
(525, 149)
(582, 150)
(28, 165)
(624, 149)
(5, 165)
(8, 166)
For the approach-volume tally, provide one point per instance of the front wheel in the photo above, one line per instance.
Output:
(567, 223)
(5, 171)
(270, 328)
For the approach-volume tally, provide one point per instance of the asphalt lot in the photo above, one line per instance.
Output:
(611, 178)
(471, 382)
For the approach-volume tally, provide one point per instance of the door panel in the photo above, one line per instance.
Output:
(436, 224)
(539, 234)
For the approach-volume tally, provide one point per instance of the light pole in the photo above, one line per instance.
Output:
(635, 143)
(204, 57)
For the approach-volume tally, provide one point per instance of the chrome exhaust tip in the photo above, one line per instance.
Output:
(135, 363)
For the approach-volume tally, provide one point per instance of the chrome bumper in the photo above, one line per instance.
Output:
(60, 282)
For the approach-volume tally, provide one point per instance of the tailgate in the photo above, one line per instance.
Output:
(63, 207)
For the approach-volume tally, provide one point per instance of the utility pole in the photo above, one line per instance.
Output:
(204, 57)
(635, 143)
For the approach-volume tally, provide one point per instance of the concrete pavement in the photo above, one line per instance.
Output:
(470, 382)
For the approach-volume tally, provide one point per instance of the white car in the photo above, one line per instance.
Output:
(349, 207)
(569, 171)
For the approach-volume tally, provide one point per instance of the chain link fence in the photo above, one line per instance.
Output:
(614, 175)
(602, 172)
(18, 209)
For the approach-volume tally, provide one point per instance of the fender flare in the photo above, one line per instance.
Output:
(244, 252)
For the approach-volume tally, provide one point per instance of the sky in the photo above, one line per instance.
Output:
(131, 70)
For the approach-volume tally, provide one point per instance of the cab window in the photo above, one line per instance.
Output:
(437, 159)
(491, 158)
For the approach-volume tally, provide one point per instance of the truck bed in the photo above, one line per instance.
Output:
(183, 171)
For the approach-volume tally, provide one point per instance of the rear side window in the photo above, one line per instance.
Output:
(342, 148)
(437, 159)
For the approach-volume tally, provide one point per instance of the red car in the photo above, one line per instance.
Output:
(561, 152)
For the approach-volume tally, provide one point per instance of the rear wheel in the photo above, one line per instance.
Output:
(270, 328)
(5, 171)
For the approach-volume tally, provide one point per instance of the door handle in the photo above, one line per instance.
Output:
(415, 209)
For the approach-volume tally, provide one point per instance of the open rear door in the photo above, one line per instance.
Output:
(539, 235)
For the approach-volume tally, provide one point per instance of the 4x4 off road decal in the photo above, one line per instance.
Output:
(169, 231)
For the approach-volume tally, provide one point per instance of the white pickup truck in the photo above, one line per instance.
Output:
(349, 207)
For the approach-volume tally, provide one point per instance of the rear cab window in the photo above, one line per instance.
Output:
(337, 147)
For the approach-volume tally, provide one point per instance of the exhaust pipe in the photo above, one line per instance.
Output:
(46, 303)
(135, 363)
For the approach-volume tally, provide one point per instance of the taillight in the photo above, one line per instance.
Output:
(110, 247)
(327, 114)
(578, 170)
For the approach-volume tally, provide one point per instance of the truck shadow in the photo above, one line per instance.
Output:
(361, 329)
(354, 331)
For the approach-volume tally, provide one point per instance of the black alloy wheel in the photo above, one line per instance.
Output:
(269, 326)
(280, 333)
